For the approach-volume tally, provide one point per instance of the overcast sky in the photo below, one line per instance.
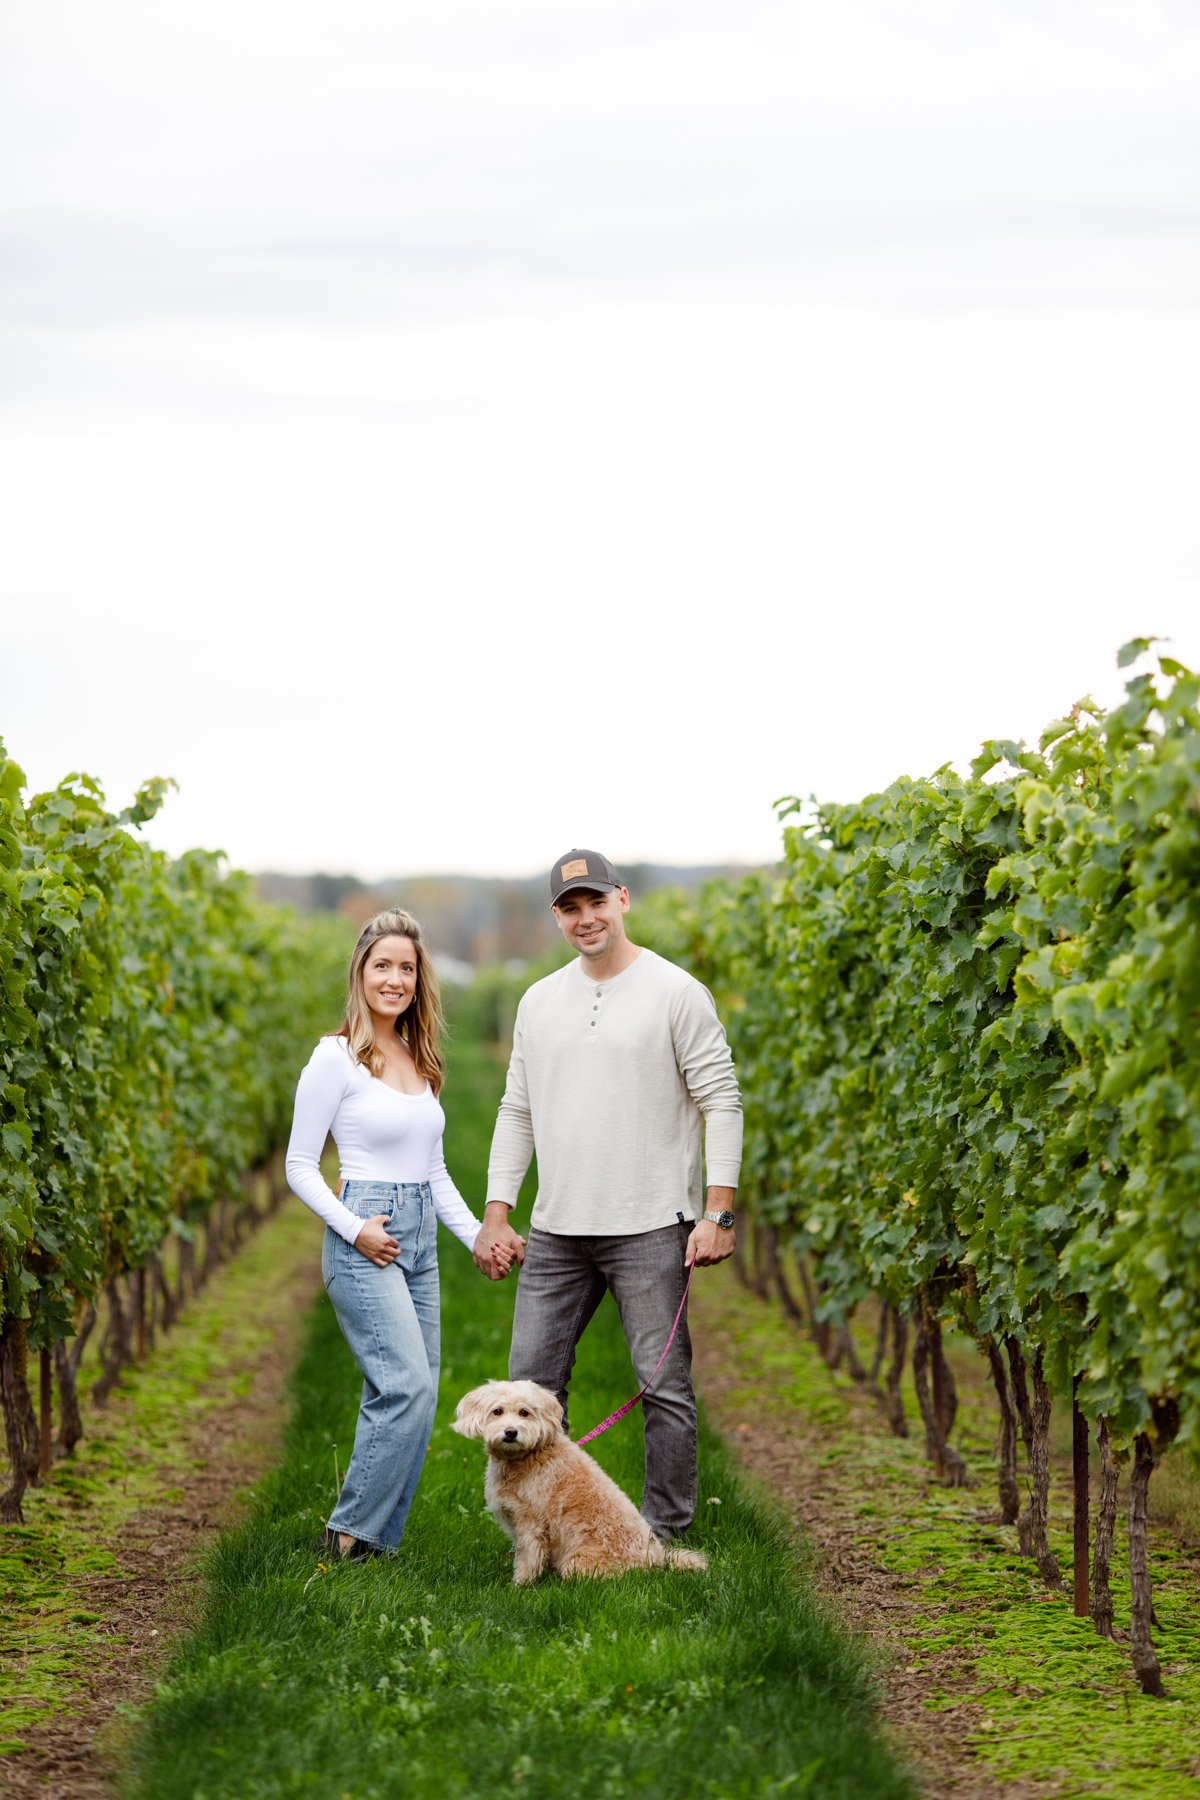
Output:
(440, 432)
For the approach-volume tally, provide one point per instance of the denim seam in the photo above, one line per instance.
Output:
(577, 1327)
(369, 1460)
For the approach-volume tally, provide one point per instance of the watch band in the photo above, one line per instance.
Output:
(723, 1219)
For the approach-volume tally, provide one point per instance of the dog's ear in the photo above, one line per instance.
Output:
(550, 1416)
(471, 1412)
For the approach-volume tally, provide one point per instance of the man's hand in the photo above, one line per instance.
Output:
(708, 1243)
(376, 1243)
(497, 1246)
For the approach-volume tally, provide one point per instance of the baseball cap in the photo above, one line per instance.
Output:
(581, 869)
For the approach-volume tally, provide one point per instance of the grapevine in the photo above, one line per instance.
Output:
(965, 1013)
(152, 1019)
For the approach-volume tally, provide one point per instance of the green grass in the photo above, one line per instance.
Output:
(133, 1455)
(1052, 1705)
(429, 1674)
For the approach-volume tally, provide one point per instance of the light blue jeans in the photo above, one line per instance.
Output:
(389, 1318)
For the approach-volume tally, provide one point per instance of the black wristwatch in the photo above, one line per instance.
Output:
(723, 1219)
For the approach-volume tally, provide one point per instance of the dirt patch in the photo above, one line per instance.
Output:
(73, 1757)
(787, 1452)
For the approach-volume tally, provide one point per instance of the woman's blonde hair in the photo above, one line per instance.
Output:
(422, 1024)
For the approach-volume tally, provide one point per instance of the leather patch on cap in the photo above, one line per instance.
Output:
(571, 870)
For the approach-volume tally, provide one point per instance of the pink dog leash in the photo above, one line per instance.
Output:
(630, 1404)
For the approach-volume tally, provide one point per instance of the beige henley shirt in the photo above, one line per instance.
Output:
(609, 1082)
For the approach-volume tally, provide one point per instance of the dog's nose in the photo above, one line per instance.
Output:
(510, 1434)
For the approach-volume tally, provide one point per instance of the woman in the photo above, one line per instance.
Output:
(374, 1086)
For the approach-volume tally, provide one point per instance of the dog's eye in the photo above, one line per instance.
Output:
(496, 1411)
(524, 1412)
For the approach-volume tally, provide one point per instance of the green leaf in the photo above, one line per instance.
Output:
(1058, 728)
(17, 1140)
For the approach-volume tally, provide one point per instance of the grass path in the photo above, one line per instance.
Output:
(998, 1688)
(428, 1674)
(99, 1572)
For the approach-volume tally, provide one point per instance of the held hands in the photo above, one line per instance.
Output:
(497, 1247)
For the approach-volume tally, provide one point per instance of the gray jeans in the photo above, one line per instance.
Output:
(560, 1286)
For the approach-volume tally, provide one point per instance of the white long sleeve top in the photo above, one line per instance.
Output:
(613, 1083)
(380, 1133)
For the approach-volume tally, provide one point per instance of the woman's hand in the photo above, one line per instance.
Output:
(376, 1243)
(506, 1255)
(497, 1246)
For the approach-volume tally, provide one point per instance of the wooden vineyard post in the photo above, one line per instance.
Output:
(1079, 1469)
(45, 1397)
(1106, 1518)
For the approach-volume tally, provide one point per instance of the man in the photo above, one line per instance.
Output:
(618, 1062)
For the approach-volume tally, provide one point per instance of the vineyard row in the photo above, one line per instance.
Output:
(966, 1018)
(153, 1016)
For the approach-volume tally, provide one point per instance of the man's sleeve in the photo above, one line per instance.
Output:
(706, 1064)
(512, 1140)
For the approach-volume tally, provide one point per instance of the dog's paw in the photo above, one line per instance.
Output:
(527, 1568)
(678, 1558)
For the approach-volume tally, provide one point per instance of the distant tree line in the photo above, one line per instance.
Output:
(478, 919)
